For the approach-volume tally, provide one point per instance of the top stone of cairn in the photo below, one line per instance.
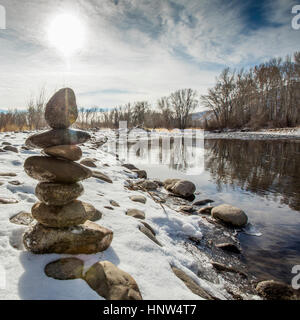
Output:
(61, 110)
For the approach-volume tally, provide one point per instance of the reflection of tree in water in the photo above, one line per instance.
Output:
(262, 167)
(179, 153)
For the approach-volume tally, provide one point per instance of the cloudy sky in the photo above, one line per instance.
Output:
(130, 50)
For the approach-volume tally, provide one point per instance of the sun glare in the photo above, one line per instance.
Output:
(66, 34)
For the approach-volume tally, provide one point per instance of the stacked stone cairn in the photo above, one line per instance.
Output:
(63, 223)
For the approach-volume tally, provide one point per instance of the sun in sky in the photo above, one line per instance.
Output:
(66, 33)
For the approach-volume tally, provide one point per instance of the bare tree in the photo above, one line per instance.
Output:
(183, 102)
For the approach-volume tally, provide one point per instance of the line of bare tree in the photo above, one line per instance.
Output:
(267, 95)
(171, 112)
(30, 119)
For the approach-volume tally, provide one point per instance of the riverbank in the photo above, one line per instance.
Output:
(263, 134)
(187, 241)
(173, 244)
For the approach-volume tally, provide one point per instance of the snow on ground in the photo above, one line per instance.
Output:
(263, 134)
(130, 250)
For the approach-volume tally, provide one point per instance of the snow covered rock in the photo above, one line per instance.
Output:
(130, 166)
(68, 152)
(140, 199)
(8, 174)
(191, 284)
(71, 214)
(182, 188)
(147, 232)
(114, 203)
(65, 269)
(135, 213)
(101, 176)
(142, 174)
(88, 163)
(22, 218)
(50, 169)
(58, 194)
(230, 215)
(86, 238)
(8, 200)
(111, 282)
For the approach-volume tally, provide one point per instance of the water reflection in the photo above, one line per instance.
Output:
(261, 177)
(261, 167)
(182, 153)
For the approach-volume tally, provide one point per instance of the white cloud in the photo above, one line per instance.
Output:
(143, 49)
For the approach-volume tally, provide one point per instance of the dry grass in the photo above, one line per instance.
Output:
(13, 127)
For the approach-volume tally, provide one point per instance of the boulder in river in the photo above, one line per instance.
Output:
(275, 290)
(230, 215)
(202, 202)
(205, 210)
(182, 188)
(230, 247)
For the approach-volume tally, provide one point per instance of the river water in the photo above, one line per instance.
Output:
(261, 177)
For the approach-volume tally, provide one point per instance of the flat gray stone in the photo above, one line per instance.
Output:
(57, 137)
(49, 169)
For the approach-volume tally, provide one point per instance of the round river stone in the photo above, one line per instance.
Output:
(58, 194)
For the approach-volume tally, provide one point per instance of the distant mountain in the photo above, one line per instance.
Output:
(200, 115)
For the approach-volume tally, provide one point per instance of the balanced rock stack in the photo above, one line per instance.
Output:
(63, 223)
